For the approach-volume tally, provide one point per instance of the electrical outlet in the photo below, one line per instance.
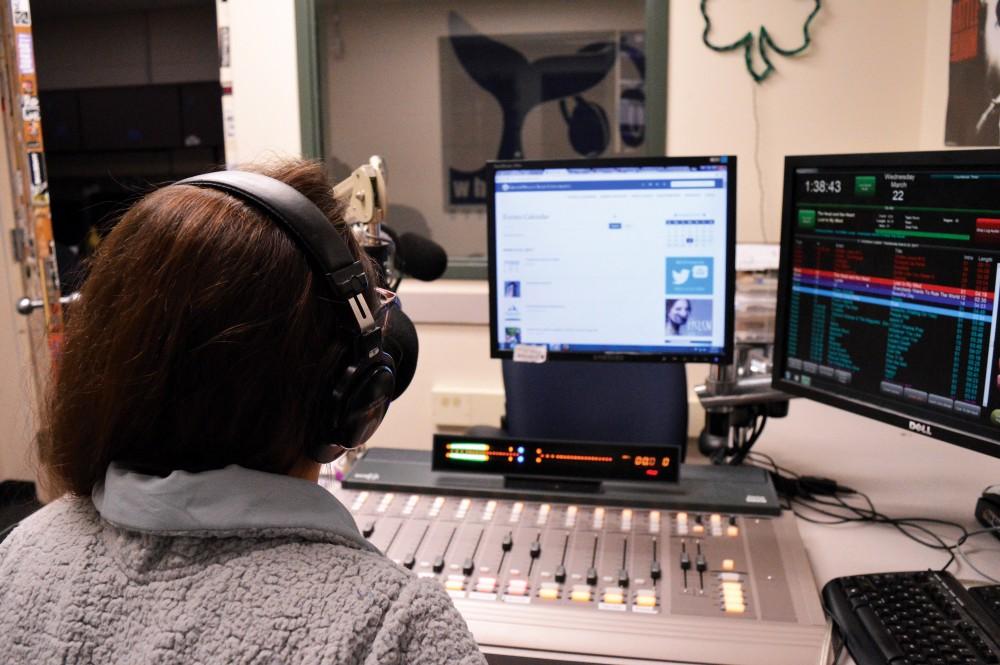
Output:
(464, 407)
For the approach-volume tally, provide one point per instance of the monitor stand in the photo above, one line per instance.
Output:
(703, 488)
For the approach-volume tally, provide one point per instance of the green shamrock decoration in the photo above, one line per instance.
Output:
(764, 41)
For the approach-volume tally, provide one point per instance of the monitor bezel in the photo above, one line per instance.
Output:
(933, 425)
(723, 357)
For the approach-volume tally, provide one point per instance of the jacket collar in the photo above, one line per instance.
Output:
(224, 500)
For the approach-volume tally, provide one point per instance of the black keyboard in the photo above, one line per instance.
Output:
(915, 618)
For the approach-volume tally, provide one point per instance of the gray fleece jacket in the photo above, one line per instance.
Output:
(227, 566)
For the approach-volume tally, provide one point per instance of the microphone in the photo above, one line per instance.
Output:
(418, 256)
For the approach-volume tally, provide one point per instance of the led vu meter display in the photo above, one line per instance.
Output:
(556, 459)
(891, 296)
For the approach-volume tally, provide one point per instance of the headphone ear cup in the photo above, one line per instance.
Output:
(588, 127)
(360, 400)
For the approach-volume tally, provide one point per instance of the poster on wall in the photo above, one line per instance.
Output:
(973, 116)
(536, 96)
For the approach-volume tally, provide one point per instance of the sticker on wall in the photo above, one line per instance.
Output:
(536, 96)
(21, 10)
(30, 108)
(973, 116)
(25, 53)
(763, 41)
(39, 179)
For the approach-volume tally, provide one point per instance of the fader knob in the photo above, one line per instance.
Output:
(623, 578)
(468, 567)
(438, 564)
(535, 549)
(409, 561)
(654, 570)
(592, 576)
(368, 529)
(507, 544)
(560, 575)
(685, 561)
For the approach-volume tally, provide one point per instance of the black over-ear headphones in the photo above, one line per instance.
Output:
(364, 385)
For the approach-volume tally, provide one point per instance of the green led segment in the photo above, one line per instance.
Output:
(481, 447)
(468, 457)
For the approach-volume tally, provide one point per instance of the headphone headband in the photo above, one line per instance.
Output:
(308, 227)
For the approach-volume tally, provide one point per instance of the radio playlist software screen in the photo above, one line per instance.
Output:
(894, 289)
(612, 260)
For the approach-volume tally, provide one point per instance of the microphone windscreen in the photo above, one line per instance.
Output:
(421, 257)
(399, 340)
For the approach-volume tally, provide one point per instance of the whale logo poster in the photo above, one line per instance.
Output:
(536, 96)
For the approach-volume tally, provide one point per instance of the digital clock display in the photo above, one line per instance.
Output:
(556, 459)
(824, 185)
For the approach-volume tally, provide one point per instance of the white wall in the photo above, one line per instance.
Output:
(859, 88)
(263, 73)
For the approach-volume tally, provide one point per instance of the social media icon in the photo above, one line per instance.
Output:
(700, 271)
(680, 276)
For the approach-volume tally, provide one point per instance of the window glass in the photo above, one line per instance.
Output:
(438, 87)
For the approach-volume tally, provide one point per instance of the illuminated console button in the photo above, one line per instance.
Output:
(627, 519)
(654, 521)
(698, 529)
(515, 512)
(517, 588)
(735, 608)
(728, 564)
(463, 508)
(488, 510)
(543, 514)
(359, 501)
(732, 531)
(682, 524)
(549, 591)
(613, 596)
(411, 503)
(455, 583)
(645, 598)
(729, 577)
(598, 518)
(580, 594)
(384, 504)
(570, 521)
(486, 585)
(436, 507)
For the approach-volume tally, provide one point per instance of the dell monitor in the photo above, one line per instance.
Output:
(888, 290)
(612, 259)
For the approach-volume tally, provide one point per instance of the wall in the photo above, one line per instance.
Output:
(859, 88)
(874, 79)
(264, 62)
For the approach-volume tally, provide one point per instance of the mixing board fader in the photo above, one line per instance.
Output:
(562, 582)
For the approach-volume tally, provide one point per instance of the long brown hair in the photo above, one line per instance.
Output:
(200, 340)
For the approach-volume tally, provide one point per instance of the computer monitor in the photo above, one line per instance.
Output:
(888, 290)
(613, 259)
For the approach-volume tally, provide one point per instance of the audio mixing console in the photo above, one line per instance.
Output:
(558, 581)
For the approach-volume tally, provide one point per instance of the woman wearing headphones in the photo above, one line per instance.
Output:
(206, 371)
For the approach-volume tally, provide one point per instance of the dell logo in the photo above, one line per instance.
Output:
(923, 428)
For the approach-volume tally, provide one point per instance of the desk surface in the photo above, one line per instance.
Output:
(905, 474)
